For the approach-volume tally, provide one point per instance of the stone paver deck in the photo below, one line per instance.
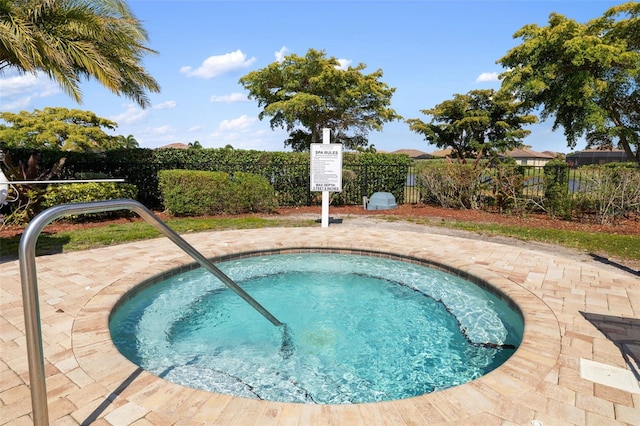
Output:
(573, 312)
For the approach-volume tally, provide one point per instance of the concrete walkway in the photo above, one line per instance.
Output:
(575, 366)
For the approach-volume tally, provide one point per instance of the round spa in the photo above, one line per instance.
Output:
(358, 328)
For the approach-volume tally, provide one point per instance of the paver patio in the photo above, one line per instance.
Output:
(575, 365)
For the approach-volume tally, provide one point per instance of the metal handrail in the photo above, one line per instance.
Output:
(29, 281)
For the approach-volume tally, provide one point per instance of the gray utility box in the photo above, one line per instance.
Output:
(382, 201)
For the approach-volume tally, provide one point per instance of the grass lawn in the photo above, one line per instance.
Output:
(601, 243)
(99, 236)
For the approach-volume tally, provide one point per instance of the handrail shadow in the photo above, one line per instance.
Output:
(29, 280)
(610, 262)
(623, 333)
(112, 396)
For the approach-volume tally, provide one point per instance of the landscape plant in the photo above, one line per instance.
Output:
(70, 41)
(558, 201)
(58, 128)
(477, 125)
(304, 94)
(584, 76)
(250, 193)
(25, 198)
(88, 192)
(610, 193)
(506, 181)
(201, 193)
(349, 177)
(287, 172)
(193, 192)
(451, 185)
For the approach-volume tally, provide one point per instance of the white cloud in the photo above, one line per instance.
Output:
(344, 64)
(165, 105)
(240, 123)
(230, 98)
(162, 130)
(246, 133)
(280, 54)
(195, 129)
(20, 103)
(153, 137)
(214, 66)
(487, 77)
(132, 114)
(19, 90)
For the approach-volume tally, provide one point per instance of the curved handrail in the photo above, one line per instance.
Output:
(29, 281)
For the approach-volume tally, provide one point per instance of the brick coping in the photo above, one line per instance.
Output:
(528, 366)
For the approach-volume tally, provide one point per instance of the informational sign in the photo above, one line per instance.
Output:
(326, 167)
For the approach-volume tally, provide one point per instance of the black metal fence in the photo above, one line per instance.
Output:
(535, 183)
(291, 179)
(291, 182)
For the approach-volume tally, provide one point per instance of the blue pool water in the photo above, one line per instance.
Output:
(362, 329)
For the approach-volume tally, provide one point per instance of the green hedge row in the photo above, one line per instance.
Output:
(198, 193)
(286, 172)
(87, 192)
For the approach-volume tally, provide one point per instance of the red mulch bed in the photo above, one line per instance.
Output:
(629, 226)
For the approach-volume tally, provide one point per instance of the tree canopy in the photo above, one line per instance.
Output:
(478, 124)
(60, 128)
(584, 75)
(305, 94)
(73, 39)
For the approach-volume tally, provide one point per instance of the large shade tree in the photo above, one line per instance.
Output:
(585, 76)
(304, 94)
(60, 128)
(476, 125)
(69, 40)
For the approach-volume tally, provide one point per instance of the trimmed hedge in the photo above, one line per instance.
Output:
(287, 172)
(250, 193)
(198, 193)
(88, 192)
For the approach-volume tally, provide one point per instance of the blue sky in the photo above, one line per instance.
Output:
(428, 51)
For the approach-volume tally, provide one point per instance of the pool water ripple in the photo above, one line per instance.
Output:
(363, 329)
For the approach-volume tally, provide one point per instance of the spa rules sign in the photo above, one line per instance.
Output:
(326, 167)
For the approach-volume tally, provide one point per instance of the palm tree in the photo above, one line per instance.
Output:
(130, 142)
(72, 39)
(121, 141)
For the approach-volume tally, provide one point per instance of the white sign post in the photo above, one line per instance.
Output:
(326, 170)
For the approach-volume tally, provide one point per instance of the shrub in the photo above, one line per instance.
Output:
(197, 193)
(348, 183)
(251, 193)
(609, 192)
(506, 183)
(24, 200)
(557, 200)
(450, 185)
(193, 193)
(88, 192)
(287, 172)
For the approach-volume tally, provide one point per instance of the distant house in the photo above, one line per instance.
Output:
(596, 156)
(523, 156)
(442, 153)
(177, 145)
(412, 153)
(529, 157)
